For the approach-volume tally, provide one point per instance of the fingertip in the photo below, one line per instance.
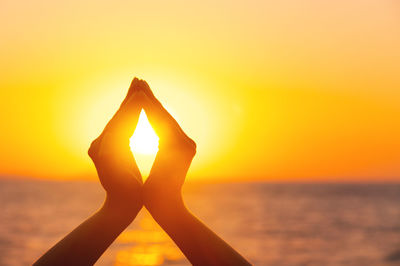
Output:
(144, 84)
(146, 88)
(141, 84)
(132, 88)
(134, 84)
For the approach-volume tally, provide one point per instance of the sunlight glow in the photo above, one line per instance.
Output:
(144, 139)
(226, 85)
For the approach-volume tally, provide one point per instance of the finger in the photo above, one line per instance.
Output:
(117, 116)
(164, 124)
(159, 111)
(124, 121)
(114, 140)
(132, 88)
(143, 85)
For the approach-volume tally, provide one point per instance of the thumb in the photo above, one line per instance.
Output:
(123, 123)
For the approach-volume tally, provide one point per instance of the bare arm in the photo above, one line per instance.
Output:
(122, 181)
(163, 198)
(85, 244)
(200, 245)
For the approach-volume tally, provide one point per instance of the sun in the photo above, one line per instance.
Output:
(144, 140)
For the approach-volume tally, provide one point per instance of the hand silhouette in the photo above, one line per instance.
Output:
(126, 193)
(120, 177)
(175, 154)
(113, 159)
(162, 191)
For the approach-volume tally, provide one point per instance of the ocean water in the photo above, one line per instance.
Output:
(269, 224)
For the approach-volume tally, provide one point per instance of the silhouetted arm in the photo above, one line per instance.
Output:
(85, 244)
(200, 245)
(163, 197)
(120, 177)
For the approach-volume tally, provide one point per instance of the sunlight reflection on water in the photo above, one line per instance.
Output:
(270, 224)
(150, 245)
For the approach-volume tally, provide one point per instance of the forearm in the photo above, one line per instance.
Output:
(200, 245)
(85, 244)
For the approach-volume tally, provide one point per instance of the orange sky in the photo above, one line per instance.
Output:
(279, 90)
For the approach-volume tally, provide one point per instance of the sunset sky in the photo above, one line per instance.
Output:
(270, 90)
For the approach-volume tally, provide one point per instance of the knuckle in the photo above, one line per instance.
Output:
(91, 152)
(93, 149)
(189, 147)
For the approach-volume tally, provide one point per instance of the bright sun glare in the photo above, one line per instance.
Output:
(144, 139)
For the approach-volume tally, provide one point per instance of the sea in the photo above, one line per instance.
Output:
(268, 223)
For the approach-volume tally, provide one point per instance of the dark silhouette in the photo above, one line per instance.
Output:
(126, 193)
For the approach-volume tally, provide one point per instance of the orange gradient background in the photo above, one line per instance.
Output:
(282, 90)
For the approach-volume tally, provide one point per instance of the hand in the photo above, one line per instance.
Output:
(120, 177)
(162, 191)
(113, 159)
(176, 151)
(122, 181)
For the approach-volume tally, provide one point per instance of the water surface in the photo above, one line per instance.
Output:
(270, 224)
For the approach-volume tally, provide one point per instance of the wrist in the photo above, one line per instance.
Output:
(162, 205)
(120, 211)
